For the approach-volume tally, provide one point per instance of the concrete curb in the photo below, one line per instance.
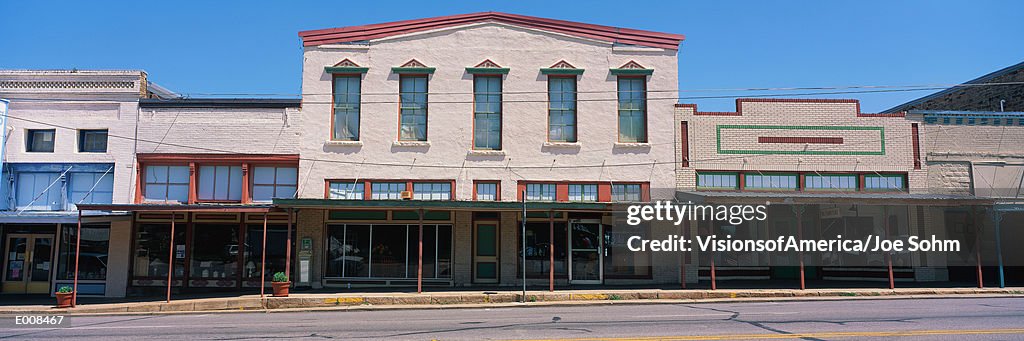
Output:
(343, 302)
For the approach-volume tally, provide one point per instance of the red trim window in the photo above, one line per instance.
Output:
(270, 182)
(433, 190)
(166, 183)
(219, 183)
(346, 189)
(486, 190)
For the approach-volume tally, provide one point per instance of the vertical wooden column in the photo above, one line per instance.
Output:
(798, 211)
(78, 251)
(288, 247)
(714, 284)
(551, 251)
(263, 262)
(419, 260)
(170, 259)
(888, 255)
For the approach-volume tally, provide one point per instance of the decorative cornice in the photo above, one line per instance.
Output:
(413, 66)
(632, 68)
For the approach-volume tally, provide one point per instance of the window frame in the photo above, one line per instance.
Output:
(497, 189)
(30, 138)
(252, 181)
(500, 113)
(145, 183)
(81, 140)
(639, 191)
(735, 175)
(199, 182)
(554, 191)
(796, 182)
(359, 106)
(857, 185)
(902, 177)
(583, 191)
(618, 109)
(451, 188)
(330, 184)
(426, 105)
(575, 110)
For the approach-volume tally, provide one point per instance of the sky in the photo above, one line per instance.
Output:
(221, 48)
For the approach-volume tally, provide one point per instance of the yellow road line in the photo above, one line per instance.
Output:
(803, 335)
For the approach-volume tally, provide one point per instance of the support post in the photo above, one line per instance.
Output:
(288, 247)
(714, 283)
(170, 259)
(997, 219)
(419, 266)
(78, 251)
(551, 251)
(523, 250)
(263, 262)
(798, 211)
(888, 255)
(977, 246)
(685, 255)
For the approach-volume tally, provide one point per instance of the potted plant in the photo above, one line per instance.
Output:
(65, 296)
(280, 284)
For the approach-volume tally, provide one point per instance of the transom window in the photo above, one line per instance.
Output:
(632, 109)
(562, 109)
(626, 192)
(486, 191)
(885, 182)
(582, 192)
(717, 180)
(386, 190)
(346, 108)
(221, 183)
(432, 191)
(831, 182)
(413, 108)
(540, 192)
(274, 182)
(167, 183)
(487, 112)
(770, 181)
(92, 188)
(347, 190)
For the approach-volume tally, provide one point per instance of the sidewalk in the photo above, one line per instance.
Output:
(477, 299)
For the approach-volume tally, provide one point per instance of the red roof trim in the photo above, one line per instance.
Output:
(590, 31)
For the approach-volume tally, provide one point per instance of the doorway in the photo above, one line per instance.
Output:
(28, 263)
(485, 256)
(586, 252)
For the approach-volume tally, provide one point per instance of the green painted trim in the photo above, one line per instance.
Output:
(550, 71)
(718, 138)
(487, 70)
(856, 182)
(787, 189)
(439, 204)
(345, 69)
(628, 72)
(735, 175)
(418, 70)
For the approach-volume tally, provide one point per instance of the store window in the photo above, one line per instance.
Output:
(92, 188)
(39, 192)
(619, 260)
(277, 242)
(151, 256)
(388, 251)
(538, 249)
(214, 251)
(92, 259)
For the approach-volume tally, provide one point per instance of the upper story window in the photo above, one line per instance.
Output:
(38, 191)
(632, 95)
(40, 140)
(562, 109)
(92, 141)
(346, 108)
(582, 192)
(841, 182)
(717, 180)
(92, 188)
(166, 183)
(626, 192)
(274, 182)
(884, 182)
(346, 190)
(540, 192)
(486, 191)
(487, 112)
(413, 108)
(387, 190)
(220, 183)
(432, 191)
(786, 182)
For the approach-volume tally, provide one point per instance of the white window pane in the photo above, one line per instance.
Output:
(177, 193)
(156, 174)
(207, 179)
(156, 192)
(177, 174)
(287, 176)
(263, 175)
(262, 193)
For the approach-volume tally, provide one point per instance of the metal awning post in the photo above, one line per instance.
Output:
(419, 260)
(78, 249)
(685, 255)
(551, 251)
(798, 211)
(714, 284)
(523, 238)
(997, 219)
(263, 262)
(977, 246)
(288, 247)
(888, 255)
(170, 259)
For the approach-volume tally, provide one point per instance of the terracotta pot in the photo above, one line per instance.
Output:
(281, 288)
(64, 299)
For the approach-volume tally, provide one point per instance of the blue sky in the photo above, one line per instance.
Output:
(216, 47)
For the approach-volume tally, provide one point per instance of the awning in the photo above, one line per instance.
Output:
(57, 217)
(439, 205)
(810, 198)
(161, 207)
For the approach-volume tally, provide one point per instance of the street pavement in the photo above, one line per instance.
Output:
(912, 319)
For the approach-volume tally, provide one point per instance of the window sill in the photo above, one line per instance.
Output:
(411, 144)
(568, 145)
(632, 145)
(485, 152)
(344, 143)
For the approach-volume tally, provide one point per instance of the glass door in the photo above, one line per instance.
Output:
(28, 264)
(485, 256)
(586, 251)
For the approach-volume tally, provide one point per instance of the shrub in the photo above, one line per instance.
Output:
(65, 289)
(280, 277)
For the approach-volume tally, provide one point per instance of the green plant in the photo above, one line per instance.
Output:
(614, 297)
(65, 289)
(280, 277)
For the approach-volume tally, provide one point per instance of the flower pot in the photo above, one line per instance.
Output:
(281, 288)
(64, 299)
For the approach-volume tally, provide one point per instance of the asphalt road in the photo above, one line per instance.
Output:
(916, 319)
